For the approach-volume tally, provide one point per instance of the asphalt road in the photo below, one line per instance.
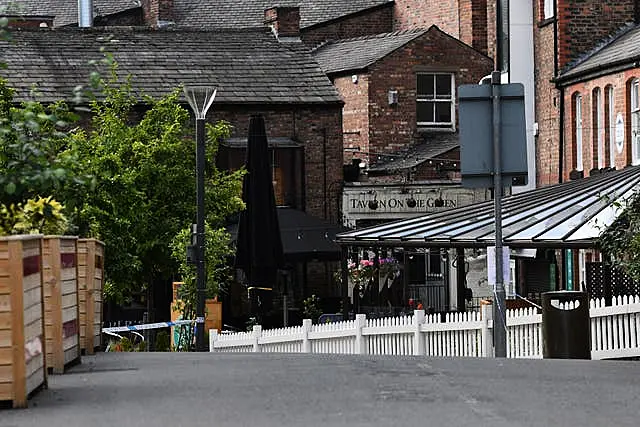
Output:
(265, 390)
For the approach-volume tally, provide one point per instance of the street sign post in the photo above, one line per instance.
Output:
(492, 148)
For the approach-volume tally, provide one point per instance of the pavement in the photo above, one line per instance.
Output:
(265, 390)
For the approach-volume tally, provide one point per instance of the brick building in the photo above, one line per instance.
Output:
(565, 34)
(400, 119)
(254, 73)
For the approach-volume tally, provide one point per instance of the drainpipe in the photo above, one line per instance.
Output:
(324, 169)
(85, 13)
(556, 70)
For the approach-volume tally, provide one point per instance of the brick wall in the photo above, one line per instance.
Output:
(424, 13)
(468, 20)
(355, 115)
(547, 104)
(619, 82)
(393, 127)
(582, 24)
(375, 21)
(284, 20)
(316, 127)
(157, 10)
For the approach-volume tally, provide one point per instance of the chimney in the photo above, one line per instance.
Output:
(85, 13)
(157, 13)
(283, 21)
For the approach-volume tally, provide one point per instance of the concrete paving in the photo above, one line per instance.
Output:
(265, 390)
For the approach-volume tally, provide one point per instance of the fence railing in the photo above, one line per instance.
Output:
(615, 333)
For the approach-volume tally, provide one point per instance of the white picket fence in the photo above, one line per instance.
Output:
(615, 333)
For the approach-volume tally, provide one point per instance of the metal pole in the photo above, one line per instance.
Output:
(499, 327)
(200, 243)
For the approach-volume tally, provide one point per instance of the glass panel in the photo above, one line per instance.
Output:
(443, 112)
(635, 102)
(612, 128)
(425, 85)
(579, 133)
(443, 86)
(424, 112)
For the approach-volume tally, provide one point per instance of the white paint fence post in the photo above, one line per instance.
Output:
(306, 328)
(418, 336)
(257, 333)
(361, 321)
(487, 330)
(213, 337)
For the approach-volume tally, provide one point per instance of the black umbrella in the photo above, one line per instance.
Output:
(259, 246)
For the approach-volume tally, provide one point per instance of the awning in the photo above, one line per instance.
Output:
(568, 215)
(304, 237)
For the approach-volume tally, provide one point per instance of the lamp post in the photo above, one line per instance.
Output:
(200, 99)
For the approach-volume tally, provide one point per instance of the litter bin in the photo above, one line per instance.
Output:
(566, 325)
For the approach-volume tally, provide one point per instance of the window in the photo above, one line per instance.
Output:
(435, 101)
(578, 135)
(612, 126)
(548, 9)
(635, 122)
(597, 140)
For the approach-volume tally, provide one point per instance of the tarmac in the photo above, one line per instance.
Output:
(277, 390)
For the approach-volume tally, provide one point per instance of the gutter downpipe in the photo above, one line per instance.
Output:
(561, 89)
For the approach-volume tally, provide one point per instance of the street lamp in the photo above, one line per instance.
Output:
(200, 99)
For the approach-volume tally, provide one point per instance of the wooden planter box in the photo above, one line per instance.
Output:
(61, 310)
(22, 362)
(212, 314)
(90, 281)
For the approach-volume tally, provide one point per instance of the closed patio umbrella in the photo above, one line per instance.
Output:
(259, 245)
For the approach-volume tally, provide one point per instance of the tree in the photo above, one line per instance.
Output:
(143, 160)
(621, 241)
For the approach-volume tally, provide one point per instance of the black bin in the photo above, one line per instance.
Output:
(566, 332)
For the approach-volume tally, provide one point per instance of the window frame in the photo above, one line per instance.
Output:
(579, 163)
(610, 98)
(599, 140)
(433, 125)
(634, 102)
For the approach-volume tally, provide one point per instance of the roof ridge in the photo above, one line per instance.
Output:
(603, 44)
(416, 31)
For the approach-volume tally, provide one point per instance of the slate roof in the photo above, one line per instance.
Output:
(204, 13)
(250, 13)
(249, 66)
(621, 49)
(358, 53)
(65, 11)
(433, 146)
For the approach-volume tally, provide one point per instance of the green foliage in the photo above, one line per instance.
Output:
(163, 343)
(311, 309)
(35, 156)
(621, 241)
(36, 216)
(143, 162)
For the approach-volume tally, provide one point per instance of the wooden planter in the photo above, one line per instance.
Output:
(22, 362)
(61, 311)
(90, 281)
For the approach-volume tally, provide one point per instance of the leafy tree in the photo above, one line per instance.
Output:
(621, 241)
(143, 161)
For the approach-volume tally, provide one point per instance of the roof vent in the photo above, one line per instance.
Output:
(85, 13)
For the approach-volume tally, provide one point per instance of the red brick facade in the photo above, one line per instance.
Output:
(285, 21)
(394, 127)
(585, 23)
(355, 115)
(547, 103)
(374, 21)
(319, 129)
(467, 20)
(620, 84)
(157, 10)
